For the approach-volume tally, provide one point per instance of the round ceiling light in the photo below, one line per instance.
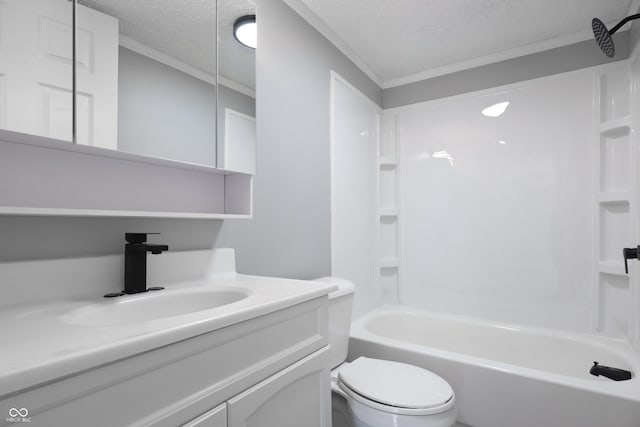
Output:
(245, 31)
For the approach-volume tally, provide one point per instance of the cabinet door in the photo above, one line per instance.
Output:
(216, 417)
(299, 395)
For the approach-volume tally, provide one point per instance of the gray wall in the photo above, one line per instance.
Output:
(546, 63)
(159, 105)
(290, 233)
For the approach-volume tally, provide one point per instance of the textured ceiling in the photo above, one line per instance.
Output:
(400, 38)
(186, 30)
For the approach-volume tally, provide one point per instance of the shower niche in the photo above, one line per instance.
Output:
(615, 160)
(388, 209)
(616, 206)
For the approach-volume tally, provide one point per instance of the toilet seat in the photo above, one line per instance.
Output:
(395, 387)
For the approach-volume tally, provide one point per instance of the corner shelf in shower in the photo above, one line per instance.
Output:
(388, 170)
(392, 212)
(620, 125)
(389, 262)
(611, 267)
(388, 162)
(615, 208)
(613, 197)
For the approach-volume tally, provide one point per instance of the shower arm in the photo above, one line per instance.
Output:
(624, 21)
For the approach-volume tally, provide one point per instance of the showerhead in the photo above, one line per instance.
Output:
(604, 36)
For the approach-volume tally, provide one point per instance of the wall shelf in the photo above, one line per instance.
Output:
(389, 262)
(57, 178)
(612, 267)
(613, 197)
(390, 212)
(388, 162)
(615, 126)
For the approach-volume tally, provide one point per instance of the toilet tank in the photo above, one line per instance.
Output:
(340, 304)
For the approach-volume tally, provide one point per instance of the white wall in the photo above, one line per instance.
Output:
(501, 231)
(355, 123)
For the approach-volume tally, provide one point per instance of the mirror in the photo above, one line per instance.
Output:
(153, 81)
(36, 67)
(146, 78)
(237, 87)
(160, 78)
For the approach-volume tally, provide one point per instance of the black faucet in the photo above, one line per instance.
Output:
(615, 374)
(135, 262)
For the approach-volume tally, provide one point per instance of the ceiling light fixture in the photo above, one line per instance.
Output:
(245, 31)
(496, 110)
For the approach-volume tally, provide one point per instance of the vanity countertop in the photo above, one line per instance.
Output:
(43, 342)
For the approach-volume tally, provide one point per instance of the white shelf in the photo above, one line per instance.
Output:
(388, 162)
(612, 267)
(63, 179)
(614, 197)
(389, 262)
(29, 211)
(615, 126)
(390, 212)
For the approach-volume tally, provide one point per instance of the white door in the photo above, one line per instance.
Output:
(354, 197)
(97, 59)
(35, 67)
(240, 142)
(36, 73)
(296, 396)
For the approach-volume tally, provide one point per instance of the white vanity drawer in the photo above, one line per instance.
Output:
(297, 396)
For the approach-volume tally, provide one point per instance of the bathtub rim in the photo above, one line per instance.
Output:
(628, 390)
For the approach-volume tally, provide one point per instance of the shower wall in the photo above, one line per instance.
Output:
(496, 215)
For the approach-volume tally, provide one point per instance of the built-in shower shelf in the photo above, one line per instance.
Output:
(612, 267)
(389, 212)
(389, 262)
(615, 126)
(613, 197)
(388, 162)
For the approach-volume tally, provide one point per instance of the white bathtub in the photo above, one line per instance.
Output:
(506, 375)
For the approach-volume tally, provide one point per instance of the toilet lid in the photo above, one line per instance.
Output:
(395, 384)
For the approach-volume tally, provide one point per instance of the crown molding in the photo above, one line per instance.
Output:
(490, 59)
(308, 15)
(143, 49)
(301, 9)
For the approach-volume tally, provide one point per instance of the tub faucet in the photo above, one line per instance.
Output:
(135, 262)
(615, 374)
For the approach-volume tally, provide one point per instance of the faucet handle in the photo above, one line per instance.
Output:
(136, 237)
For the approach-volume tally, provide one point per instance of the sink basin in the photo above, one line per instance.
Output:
(129, 309)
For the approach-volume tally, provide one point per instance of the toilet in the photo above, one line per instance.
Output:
(378, 393)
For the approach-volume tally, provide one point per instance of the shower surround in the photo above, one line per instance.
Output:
(518, 217)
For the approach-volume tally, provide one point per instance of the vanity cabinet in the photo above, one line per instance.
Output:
(271, 370)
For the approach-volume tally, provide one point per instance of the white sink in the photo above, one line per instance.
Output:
(153, 305)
